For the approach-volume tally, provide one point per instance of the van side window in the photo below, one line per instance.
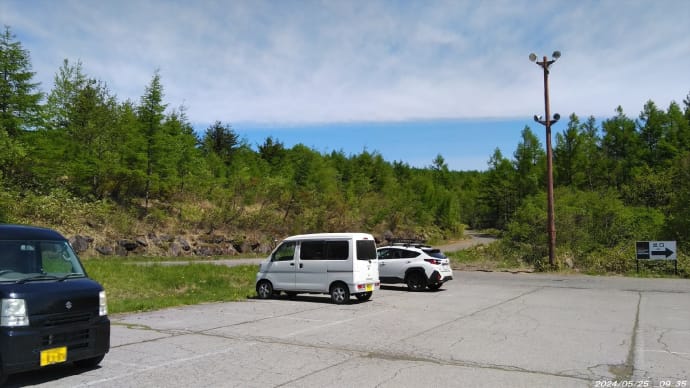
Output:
(337, 250)
(366, 250)
(285, 252)
(324, 250)
(312, 250)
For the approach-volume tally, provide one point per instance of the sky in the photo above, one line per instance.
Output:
(407, 79)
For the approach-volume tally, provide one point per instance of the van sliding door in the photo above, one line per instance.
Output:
(315, 259)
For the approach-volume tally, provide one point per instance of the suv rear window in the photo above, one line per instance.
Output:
(435, 253)
(366, 250)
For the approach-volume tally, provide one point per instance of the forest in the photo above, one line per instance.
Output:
(78, 159)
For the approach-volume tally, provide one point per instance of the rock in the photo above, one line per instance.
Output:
(105, 251)
(175, 249)
(128, 245)
(120, 250)
(184, 244)
(80, 243)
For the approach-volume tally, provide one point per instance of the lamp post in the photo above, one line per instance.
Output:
(547, 122)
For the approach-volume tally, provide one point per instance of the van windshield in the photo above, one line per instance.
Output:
(366, 250)
(24, 260)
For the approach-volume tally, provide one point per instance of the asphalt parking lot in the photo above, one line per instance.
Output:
(481, 329)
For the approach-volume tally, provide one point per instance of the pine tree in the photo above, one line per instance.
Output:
(150, 114)
(19, 97)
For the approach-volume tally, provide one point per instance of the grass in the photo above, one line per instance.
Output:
(486, 258)
(503, 257)
(132, 287)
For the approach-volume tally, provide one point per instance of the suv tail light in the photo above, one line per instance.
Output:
(433, 261)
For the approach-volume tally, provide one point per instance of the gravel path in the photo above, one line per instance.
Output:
(476, 238)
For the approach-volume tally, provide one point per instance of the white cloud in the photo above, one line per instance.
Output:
(309, 61)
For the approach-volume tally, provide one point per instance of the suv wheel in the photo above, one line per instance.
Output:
(415, 281)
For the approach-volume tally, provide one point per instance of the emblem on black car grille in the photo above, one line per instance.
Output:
(68, 305)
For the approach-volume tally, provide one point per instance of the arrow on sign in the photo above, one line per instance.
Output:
(665, 253)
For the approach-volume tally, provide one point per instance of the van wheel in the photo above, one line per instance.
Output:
(340, 293)
(364, 296)
(415, 281)
(264, 289)
(89, 363)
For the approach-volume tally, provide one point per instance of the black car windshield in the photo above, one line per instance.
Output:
(38, 261)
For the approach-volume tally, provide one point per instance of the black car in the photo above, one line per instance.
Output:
(51, 311)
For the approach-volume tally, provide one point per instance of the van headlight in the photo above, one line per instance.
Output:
(102, 304)
(14, 313)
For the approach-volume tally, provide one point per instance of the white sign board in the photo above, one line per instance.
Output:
(656, 250)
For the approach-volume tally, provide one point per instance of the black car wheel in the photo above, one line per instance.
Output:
(416, 281)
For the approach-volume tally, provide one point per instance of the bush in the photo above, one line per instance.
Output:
(588, 224)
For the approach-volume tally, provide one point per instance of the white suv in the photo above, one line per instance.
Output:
(419, 266)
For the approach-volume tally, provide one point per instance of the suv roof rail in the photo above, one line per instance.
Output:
(410, 242)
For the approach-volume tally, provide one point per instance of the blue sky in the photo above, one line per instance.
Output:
(407, 79)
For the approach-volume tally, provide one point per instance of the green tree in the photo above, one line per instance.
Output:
(440, 168)
(180, 158)
(19, 97)
(498, 195)
(68, 82)
(678, 225)
(621, 147)
(150, 113)
(529, 164)
(220, 140)
(272, 151)
(90, 139)
(589, 170)
(658, 141)
(567, 153)
(678, 128)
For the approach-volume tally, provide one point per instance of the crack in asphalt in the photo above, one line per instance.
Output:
(355, 352)
(180, 332)
(667, 348)
(625, 371)
(472, 314)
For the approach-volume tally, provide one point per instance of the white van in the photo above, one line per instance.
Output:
(339, 264)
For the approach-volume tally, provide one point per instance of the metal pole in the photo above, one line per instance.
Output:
(549, 168)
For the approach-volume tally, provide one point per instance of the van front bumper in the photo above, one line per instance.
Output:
(21, 347)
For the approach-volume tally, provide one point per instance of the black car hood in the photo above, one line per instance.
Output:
(54, 297)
